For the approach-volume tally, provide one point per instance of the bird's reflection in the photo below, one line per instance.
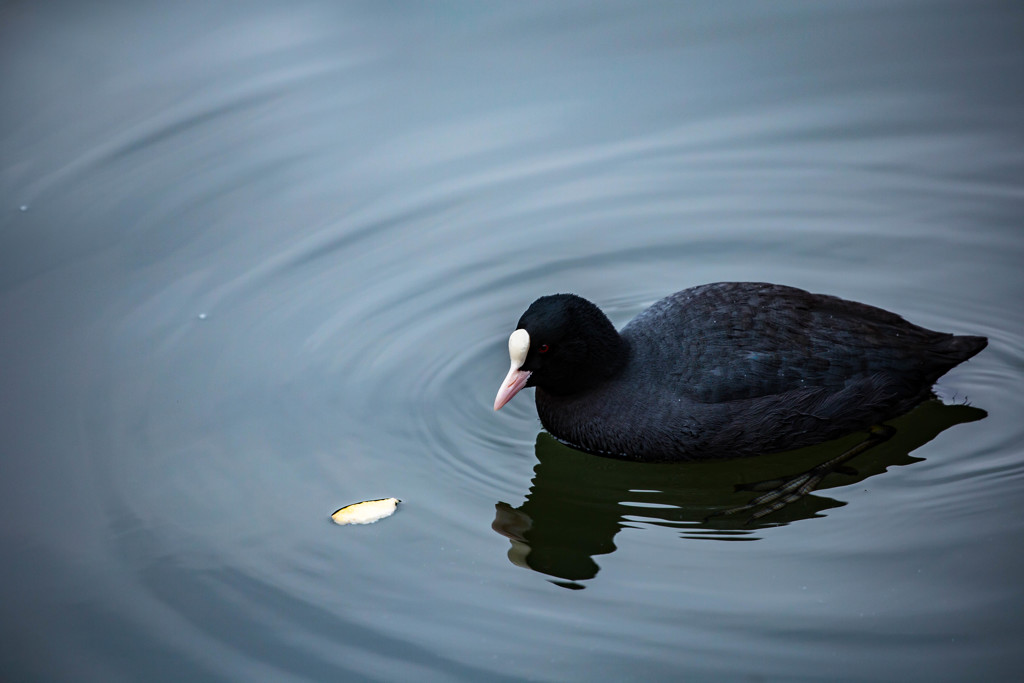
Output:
(578, 502)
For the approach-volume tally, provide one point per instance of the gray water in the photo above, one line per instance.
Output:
(260, 260)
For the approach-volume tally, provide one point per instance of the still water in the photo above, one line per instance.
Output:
(260, 260)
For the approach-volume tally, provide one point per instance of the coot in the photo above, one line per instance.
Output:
(722, 370)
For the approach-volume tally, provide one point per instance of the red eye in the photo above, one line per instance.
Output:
(543, 348)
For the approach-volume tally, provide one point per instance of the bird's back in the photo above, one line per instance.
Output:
(732, 341)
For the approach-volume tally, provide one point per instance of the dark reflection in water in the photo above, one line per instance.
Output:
(579, 502)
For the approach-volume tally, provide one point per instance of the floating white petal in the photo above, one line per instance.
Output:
(366, 512)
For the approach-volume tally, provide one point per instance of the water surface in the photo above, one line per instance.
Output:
(260, 260)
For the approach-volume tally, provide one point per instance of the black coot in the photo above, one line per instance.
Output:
(722, 370)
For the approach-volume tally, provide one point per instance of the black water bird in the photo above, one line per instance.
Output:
(722, 370)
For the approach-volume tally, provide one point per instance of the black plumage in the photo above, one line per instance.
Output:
(727, 369)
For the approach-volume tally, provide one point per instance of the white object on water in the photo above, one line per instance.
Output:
(202, 316)
(367, 512)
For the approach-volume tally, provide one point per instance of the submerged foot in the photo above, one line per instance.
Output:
(782, 492)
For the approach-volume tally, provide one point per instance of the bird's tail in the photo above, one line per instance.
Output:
(958, 348)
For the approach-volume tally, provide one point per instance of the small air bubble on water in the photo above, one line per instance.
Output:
(202, 316)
